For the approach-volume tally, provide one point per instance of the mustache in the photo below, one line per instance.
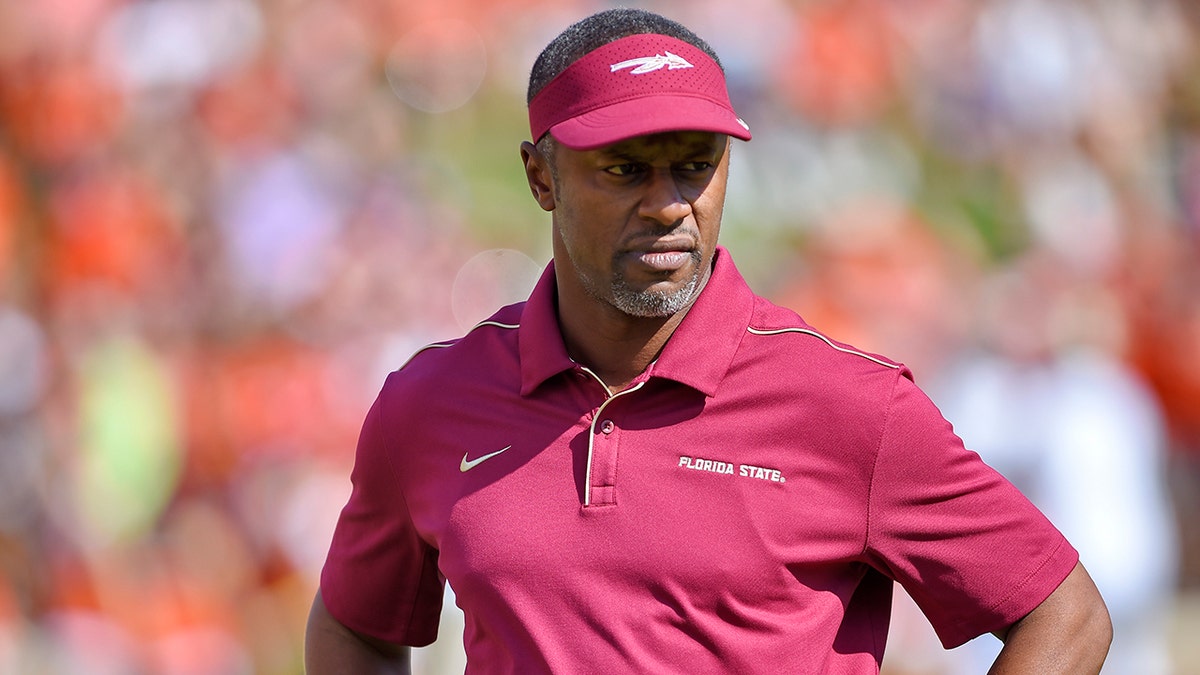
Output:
(664, 238)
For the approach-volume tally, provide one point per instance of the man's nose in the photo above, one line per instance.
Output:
(663, 202)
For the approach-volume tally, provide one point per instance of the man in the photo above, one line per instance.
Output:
(647, 468)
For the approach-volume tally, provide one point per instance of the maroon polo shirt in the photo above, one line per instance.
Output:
(743, 507)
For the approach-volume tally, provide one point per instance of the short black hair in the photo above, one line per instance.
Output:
(598, 30)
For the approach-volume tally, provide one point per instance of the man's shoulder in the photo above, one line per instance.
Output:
(477, 353)
(786, 333)
(806, 372)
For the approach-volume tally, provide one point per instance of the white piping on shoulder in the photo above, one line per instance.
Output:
(496, 324)
(779, 331)
(451, 343)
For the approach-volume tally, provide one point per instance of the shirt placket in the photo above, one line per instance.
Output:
(603, 440)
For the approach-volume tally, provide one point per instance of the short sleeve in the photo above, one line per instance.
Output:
(969, 548)
(380, 578)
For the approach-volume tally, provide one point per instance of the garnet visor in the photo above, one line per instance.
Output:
(638, 85)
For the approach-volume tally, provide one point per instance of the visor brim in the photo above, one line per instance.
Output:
(647, 115)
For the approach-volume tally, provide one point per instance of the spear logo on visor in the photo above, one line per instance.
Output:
(649, 64)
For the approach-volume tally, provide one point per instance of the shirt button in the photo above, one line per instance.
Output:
(607, 426)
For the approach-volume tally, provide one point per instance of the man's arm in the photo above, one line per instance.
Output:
(331, 647)
(1068, 633)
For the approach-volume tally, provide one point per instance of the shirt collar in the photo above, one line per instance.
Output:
(702, 348)
(543, 353)
(698, 354)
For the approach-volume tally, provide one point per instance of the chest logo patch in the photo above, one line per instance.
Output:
(726, 468)
(466, 464)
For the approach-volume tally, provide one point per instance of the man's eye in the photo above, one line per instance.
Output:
(623, 169)
(695, 166)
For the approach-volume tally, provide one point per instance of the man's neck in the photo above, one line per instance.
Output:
(615, 346)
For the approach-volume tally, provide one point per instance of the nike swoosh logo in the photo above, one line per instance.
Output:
(467, 465)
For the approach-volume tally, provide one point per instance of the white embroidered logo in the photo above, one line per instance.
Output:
(649, 64)
(743, 470)
(466, 465)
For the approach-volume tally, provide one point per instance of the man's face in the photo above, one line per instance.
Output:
(636, 222)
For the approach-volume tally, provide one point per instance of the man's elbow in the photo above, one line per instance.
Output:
(331, 647)
(1097, 629)
(1089, 617)
(1090, 635)
(1069, 632)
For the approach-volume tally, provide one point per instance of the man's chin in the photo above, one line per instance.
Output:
(653, 303)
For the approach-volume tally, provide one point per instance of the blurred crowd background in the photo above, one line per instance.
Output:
(223, 221)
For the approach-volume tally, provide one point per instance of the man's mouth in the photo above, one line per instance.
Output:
(664, 261)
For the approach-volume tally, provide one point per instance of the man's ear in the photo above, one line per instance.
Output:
(537, 172)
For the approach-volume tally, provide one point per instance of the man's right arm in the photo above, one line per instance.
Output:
(331, 647)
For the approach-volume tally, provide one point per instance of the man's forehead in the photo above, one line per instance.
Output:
(668, 141)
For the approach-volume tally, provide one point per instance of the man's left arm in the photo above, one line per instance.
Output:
(1069, 632)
